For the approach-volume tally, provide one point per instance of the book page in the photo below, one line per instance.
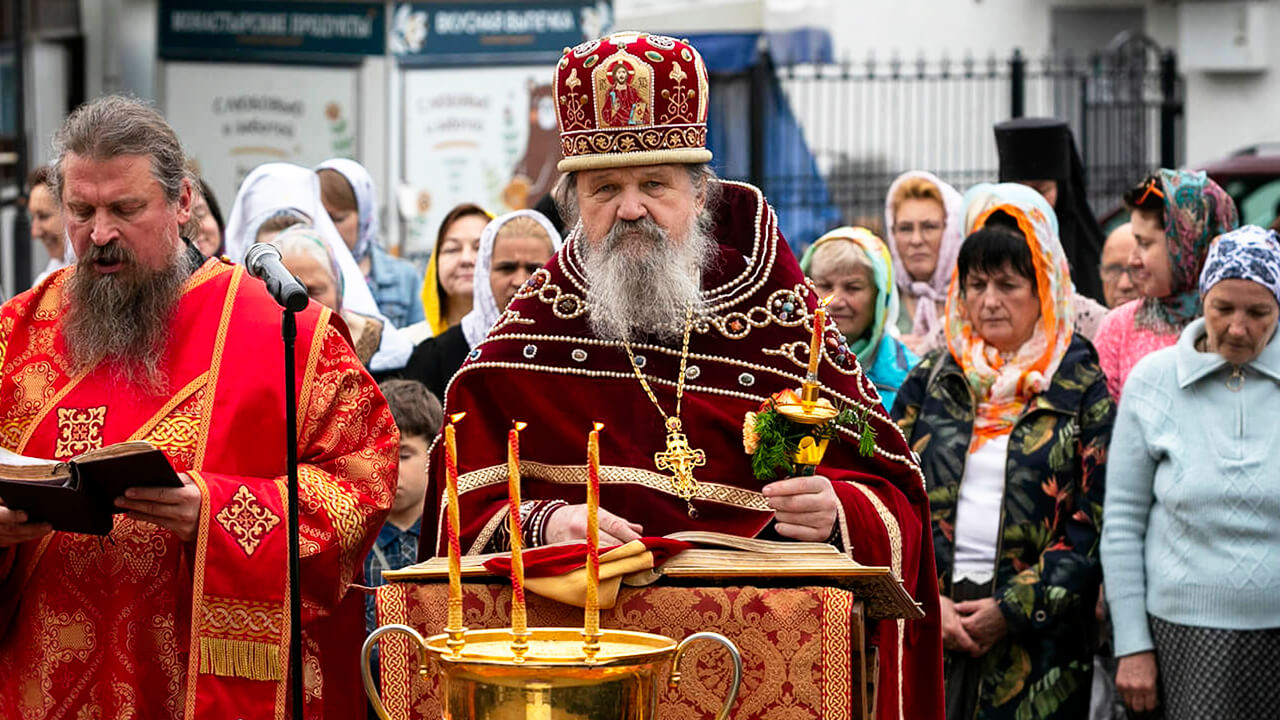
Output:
(31, 469)
(13, 459)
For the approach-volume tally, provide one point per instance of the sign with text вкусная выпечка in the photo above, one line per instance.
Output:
(246, 30)
(493, 32)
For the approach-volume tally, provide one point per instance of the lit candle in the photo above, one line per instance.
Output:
(519, 624)
(815, 343)
(592, 605)
(455, 548)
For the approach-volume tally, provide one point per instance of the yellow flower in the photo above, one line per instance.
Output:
(749, 437)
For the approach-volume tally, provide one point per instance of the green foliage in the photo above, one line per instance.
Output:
(779, 439)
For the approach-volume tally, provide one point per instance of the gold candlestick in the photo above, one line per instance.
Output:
(591, 623)
(519, 623)
(454, 629)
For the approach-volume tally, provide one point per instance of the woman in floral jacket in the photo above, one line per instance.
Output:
(1012, 421)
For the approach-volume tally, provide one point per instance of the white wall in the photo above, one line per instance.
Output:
(1225, 112)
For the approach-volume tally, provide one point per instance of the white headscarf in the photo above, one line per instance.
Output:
(931, 296)
(366, 201)
(484, 307)
(273, 187)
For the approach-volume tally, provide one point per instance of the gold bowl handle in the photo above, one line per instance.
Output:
(733, 653)
(366, 653)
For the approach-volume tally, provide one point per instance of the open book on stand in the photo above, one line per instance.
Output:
(79, 495)
(717, 557)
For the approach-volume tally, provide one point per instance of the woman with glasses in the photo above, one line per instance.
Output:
(922, 228)
(1175, 214)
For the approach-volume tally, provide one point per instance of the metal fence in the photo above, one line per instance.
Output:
(867, 121)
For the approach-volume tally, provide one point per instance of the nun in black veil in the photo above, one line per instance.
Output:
(1041, 153)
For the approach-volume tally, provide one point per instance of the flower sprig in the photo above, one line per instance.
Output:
(772, 440)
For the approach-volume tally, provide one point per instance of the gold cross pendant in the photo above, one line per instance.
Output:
(679, 459)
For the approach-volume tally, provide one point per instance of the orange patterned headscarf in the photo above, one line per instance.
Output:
(1003, 387)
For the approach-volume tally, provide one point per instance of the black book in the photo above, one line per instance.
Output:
(79, 495)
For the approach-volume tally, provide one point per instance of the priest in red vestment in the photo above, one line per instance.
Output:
(673, 310)
(182, 610)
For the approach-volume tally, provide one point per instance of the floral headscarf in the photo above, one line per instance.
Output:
(930, 294)
(1003, 387)
(1196, 210)
(366, 201)
(877, 253)
(1247, 253)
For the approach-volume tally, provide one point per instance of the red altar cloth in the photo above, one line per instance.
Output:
(797, 644)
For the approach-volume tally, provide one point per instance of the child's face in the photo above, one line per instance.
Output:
(413, 473)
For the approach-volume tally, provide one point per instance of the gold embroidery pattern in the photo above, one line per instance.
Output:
(395, 653)
(340, 507)
(624, 141)
(79, 430)
(895, 545)
(246, 519)
(837, 658)
(33, 388)
(178, 434)
(68, 637)
(678, 98)
(612, 474)
(235, 619)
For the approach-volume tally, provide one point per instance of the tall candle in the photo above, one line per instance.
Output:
(815, 343)
(519, 624)
(592, 620)
(455, 548)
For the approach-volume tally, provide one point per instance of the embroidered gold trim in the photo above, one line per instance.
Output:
(895, 546)
(313, 361)
(182, 396)
(215, 362)
(837, 651)
(613, 475)
(240, 658)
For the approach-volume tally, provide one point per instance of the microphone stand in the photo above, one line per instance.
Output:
(263, 262)
(289, 331)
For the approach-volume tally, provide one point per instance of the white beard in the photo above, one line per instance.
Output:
(643, 282)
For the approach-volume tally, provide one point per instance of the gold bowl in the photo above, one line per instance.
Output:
(554, 680)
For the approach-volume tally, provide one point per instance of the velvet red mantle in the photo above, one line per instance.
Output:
(541, 364)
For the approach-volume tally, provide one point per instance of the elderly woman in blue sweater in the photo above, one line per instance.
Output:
(1191, 525)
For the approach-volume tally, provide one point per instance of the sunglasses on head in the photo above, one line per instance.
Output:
(1152, 188)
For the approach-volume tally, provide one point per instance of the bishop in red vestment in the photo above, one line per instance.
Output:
(182, 610)
(674, 309)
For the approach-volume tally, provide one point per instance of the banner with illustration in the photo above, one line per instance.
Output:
(247, 115)
(482, 135)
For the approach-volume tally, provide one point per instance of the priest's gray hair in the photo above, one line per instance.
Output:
(565, 192)
(116, 125)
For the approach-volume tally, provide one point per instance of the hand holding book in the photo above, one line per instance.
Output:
(177, 509)
(16, 527)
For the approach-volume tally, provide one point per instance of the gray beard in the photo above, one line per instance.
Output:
(644, 283)
(122, 319)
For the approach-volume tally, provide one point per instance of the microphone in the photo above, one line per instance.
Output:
(263, 262)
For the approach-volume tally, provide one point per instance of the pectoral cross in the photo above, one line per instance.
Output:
(679, 459)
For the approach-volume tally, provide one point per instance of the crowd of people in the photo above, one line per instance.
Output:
(1083, 410)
